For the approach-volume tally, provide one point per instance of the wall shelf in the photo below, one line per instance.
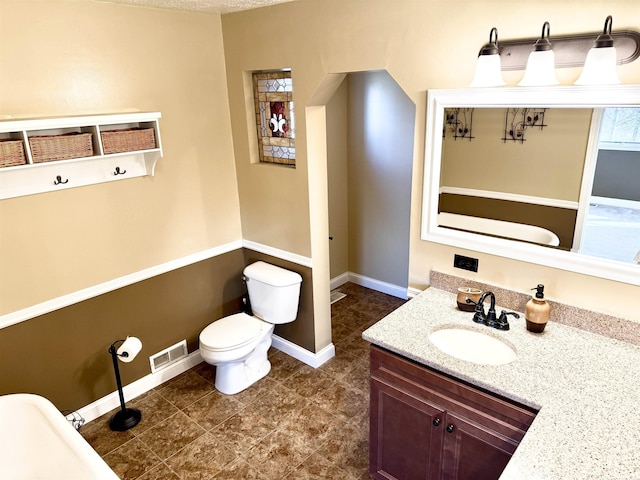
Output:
(87, 168)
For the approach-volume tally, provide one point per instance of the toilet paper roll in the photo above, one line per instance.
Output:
(129, 349)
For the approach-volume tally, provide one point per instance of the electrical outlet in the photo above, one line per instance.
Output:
(465, 263)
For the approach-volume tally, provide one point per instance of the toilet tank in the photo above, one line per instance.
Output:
(274, 292)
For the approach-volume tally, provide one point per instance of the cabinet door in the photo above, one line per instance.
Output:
(473, 451)
(406, 435)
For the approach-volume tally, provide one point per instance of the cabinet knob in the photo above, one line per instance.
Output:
(450, 428)
(436, 422)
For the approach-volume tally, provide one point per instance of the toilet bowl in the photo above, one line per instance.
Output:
(238, 344)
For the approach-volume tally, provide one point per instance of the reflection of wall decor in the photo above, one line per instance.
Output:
(274, 117)
(459, 121)
(517, 120)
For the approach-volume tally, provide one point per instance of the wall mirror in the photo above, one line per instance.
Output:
(544, 175)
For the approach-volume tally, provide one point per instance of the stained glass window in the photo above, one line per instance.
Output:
(275, 124)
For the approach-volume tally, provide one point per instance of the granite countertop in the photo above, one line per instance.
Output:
(586, 387)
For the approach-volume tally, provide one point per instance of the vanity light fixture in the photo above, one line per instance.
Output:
(600, 65)
(541, 63)
(569, 51)
(488, 69)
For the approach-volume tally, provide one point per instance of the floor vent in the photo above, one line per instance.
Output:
(168, 356)
(336, 295)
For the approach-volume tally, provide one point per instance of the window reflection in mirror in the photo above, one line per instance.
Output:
(611, 227)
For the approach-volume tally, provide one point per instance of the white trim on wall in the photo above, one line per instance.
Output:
(339, 280)
(76, 297)
(511, 197)
(378, 285)
(312, 359)
(372, 283)
(413, 292)
(276, 252)
(108, 286)
(134, 389)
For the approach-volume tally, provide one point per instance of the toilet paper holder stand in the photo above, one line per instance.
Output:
(125, 418)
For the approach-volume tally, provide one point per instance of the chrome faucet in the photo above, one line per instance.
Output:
(490, 319)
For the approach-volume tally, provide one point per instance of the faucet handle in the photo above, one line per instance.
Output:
(479, 316)
(503, 323)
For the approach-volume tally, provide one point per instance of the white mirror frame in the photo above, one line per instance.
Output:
(563, 97)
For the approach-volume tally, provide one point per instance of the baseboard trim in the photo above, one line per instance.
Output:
(312, 359)
(380, 286)
(339, 280)
(135, 389)
(413, 292)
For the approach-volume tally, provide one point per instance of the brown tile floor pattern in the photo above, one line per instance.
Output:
(296, 423)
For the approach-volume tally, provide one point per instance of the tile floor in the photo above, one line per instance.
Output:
(296, 423)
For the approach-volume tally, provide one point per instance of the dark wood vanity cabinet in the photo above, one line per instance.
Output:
(427, 425)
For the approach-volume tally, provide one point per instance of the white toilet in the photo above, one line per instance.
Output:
(237, 345)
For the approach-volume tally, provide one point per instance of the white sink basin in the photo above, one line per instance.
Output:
(473, 346)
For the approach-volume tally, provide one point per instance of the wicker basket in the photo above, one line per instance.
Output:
(12, 153)
(129, 140)
(61, 147)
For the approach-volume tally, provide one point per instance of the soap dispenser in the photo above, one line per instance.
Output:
(537, 311)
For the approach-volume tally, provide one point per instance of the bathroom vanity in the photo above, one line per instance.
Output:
(426, 425)
(436, 416)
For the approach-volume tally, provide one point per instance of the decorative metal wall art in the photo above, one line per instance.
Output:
(460, 122)
(517, 120)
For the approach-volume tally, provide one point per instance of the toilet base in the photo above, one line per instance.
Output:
(234, 377)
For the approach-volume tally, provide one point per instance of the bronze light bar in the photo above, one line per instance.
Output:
(570, 50)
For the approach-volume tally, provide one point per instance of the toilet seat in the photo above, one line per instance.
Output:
(232, 332)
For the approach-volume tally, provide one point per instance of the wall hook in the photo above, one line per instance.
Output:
(118, 172)
(59, 180)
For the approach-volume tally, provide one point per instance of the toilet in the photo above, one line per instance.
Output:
(238, 344)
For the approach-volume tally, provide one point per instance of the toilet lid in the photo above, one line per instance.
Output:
(231, 332)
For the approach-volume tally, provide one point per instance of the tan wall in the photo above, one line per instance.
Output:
(547, 164)
(337, 181)
(61, 58)
(380, 132)
(423, 45)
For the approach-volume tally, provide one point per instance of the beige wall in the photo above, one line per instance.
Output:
(548, 164)
(423, 45)
(337, 181)
(380, 133)
(61, 58)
